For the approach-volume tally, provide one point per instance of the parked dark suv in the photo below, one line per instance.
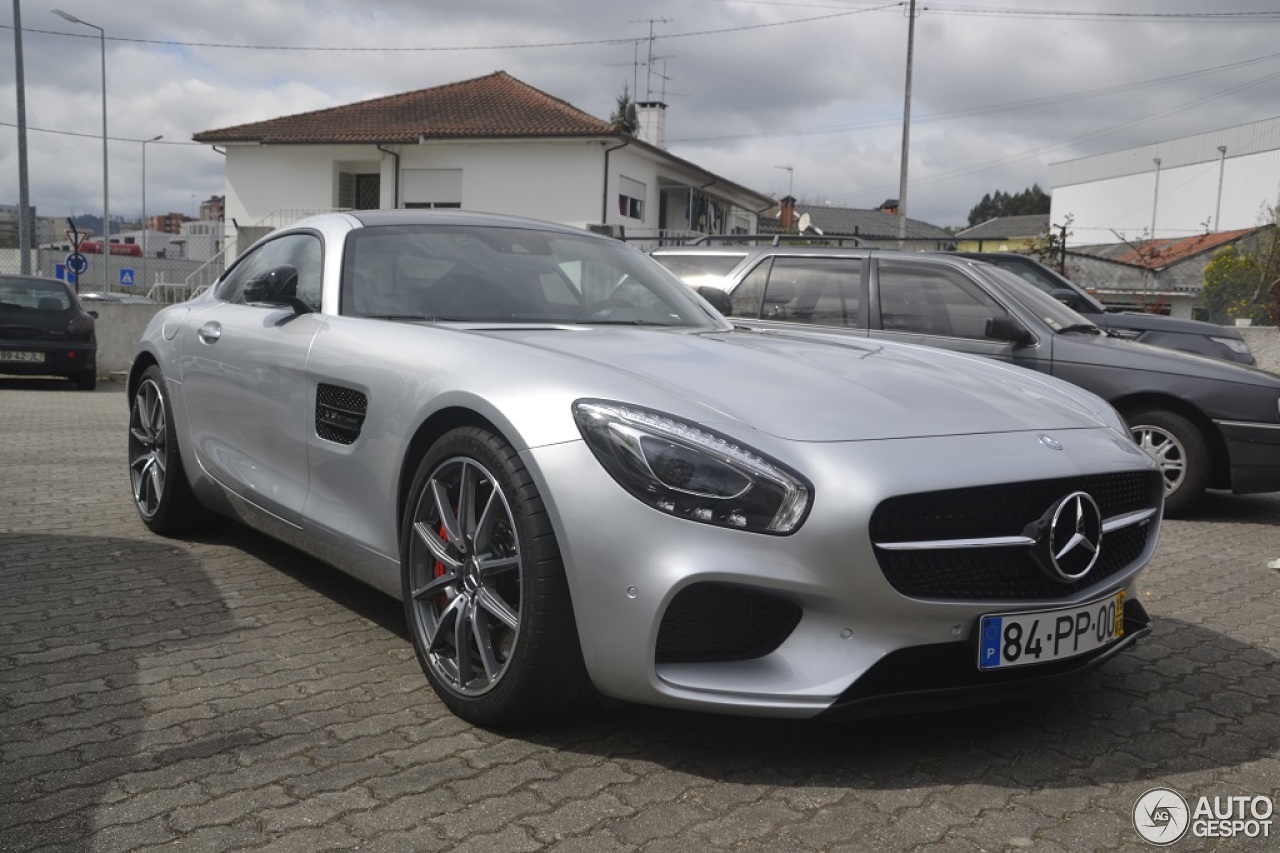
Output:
(1208, 423)
(45, 331)
(1156, 329)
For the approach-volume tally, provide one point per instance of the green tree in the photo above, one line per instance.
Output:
(624, 116)
(1244, 284)
(1030, 201)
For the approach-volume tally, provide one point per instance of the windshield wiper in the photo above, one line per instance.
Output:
(1088, 328)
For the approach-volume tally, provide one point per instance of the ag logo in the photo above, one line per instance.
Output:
(1161, 816)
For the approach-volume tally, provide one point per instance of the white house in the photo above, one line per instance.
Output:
(1223, 180)
(491, 144)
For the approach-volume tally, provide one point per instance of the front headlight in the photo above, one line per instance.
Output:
(1234, 344)
(690, 472)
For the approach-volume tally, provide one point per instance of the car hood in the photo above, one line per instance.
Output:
(1161, 323)
(1104, 351)
(803, 388)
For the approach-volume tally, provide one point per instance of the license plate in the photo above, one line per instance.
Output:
(1019, 639)
(6, 355)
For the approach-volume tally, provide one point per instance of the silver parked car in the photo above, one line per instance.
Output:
(580, 478)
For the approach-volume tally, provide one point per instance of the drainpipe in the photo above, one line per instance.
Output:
(604, 194)
(395, 181)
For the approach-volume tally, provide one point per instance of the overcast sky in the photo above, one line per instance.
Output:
(1002, 88)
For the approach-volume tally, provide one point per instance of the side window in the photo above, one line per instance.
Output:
(747, 296)
(825, 291)
(301, 251)
(931, 300)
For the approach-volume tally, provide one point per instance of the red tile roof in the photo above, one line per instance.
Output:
(495, 106)
(1158, 254)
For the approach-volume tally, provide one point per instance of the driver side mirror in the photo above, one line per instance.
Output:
(277, 286)
(718, 298)
(1069, 298)
(1008, 329)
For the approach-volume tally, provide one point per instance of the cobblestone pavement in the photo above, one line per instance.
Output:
(226, 693)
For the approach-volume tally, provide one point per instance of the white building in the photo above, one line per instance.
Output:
(489, 144)
(1222, 180)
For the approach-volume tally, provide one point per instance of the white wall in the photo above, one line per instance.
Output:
(1116, 192)
(555, 180)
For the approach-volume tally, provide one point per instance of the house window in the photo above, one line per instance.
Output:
(630, 198)
(368, 189)
(432, 188)
(359, 191)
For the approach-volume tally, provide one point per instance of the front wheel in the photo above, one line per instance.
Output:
(160, 489)
(1181, 451)
(485, 592)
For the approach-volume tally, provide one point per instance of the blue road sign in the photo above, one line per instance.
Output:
(126, 277)
(77, 263)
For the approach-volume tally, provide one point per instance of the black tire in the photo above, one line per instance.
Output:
(479, 560)
(1180, 449)
(85, 380)
(161, 492)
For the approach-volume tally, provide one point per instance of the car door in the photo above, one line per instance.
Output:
(243, 367)
(935, 305)
(805, 289)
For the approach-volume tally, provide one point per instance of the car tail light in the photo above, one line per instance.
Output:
(80, 326)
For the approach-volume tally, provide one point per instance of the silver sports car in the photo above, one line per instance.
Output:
(580, 479)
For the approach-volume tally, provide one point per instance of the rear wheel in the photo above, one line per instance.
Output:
(86, 380)
(485, 592)
(160, 488)
(1181, 451)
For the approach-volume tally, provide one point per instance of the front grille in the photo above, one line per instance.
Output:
(1004, 510)
(714, 622)
(340, 413)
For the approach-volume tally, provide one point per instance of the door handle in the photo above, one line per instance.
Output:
(210, 332)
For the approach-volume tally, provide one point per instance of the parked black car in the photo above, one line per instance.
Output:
(45, 331)
(1208, 423)
(1156, 329)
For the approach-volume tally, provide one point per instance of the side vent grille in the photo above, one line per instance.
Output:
(339, 413)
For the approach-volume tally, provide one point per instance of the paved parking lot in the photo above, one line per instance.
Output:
(226, 693)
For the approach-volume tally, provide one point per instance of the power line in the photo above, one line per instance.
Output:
(1036, 152)
(456, 48)
(1068, 97)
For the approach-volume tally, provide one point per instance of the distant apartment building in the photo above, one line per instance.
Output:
(169, 223)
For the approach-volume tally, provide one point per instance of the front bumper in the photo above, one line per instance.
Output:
(1254, 451)
(626, 564)
(942, 677)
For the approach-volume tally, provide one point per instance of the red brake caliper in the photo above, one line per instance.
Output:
(441, 600)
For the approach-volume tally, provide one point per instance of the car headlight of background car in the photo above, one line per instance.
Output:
(691, 472)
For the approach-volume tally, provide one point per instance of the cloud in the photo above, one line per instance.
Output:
(997, 94)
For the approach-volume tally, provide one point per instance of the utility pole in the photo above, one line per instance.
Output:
(24, 190)
(906, 128)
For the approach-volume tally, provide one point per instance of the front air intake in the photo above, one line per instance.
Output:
(715, 622)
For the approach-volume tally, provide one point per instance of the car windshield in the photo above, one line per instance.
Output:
(697, 270)
(1045, 282)
(509, 275)
(33, 295)
(1051, 312)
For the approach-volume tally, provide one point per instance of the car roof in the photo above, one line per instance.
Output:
(411, 216)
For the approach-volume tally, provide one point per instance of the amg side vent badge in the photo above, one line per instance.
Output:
(340, 413)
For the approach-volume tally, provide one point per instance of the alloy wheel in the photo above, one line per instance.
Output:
(465, 576)
(148, 448)
(1162, 446)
